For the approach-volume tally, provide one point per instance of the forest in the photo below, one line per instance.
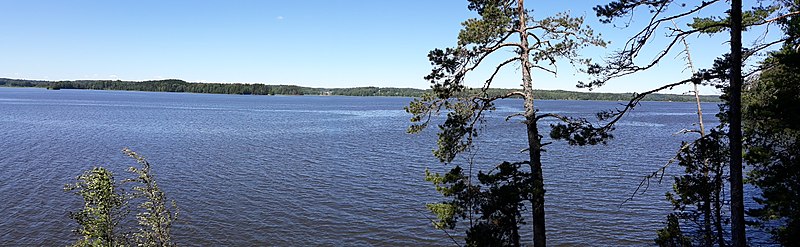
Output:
(174, 85)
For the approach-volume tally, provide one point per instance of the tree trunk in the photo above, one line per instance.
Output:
(537, 200)
(515, 234)
(735, 133)
(534, 140)
(718, 208)
(708, 235)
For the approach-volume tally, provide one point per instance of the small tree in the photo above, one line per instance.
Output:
(158, 213)
(104, 207)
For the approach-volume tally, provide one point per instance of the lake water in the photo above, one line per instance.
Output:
(312, 170)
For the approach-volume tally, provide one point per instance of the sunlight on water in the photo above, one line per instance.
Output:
(300, 171)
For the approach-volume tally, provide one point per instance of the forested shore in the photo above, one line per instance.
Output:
(174, 85)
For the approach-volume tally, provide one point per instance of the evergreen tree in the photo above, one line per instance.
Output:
(727, 71)
(772, 140)
(495, 203)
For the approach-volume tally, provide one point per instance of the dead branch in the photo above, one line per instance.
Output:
(444, 230)
(645, 183)
(496, 70)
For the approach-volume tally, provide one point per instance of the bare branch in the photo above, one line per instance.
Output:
(496, 70)
(645, 183)
(444, 230)
(629, 68)
(536, 37)
(684, 131)
(554, 72)
(655, 23)
(500, 45)
(638, 97)
(753, 51)
(779, 17)
(553, 115)
(622, 62)
(519, 114)
(505, 96)
(486, 52)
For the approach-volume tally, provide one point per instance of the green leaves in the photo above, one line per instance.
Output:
(493, 24)
(772, 139)
(445, 213)
(457, 132)
(619, 8)
(448, 71)
(158, 213)
(105, 206)
(716, 24)
(494, 210)
(493, 206)
(696, 195)
(454, 185)
(671, 235)
(422, 109)
(579, 132)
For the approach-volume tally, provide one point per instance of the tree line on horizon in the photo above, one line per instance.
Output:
(175, 85)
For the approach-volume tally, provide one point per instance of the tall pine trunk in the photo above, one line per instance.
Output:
(537, 200)
(534, 141)
(735, 133)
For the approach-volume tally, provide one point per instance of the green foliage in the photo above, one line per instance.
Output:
(174, 85)
(491, 26)
(716, 24)
(671, 235)
(494, 204)
(772, 134)
(104, 207)
(697, 194)
(453, 184)
(218, 88)
(457, 132)
(501, 204)
(620, 8)
(701, 185)
(157, 212)
(579, 132)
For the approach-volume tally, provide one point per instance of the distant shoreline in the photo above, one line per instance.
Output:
(179, 86)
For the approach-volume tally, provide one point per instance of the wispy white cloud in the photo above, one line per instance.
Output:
(280, 18)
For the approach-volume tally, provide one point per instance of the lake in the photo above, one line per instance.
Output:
(313, 170)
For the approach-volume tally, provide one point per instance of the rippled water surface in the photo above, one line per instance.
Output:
(308, 170)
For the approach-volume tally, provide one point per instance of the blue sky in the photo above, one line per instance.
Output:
(309, 43)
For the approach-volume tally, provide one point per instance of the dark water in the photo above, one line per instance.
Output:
(306, 170)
